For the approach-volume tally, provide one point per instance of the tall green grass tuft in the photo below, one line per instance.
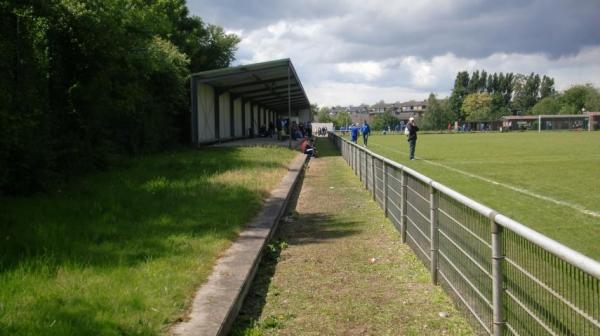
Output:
(121, 252)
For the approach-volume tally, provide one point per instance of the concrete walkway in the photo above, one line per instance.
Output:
(338, 268)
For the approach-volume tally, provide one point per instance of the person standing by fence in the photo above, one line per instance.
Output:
(354, 133)
(412, 137)
(366, 131)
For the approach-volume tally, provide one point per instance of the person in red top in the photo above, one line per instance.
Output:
(306, 147)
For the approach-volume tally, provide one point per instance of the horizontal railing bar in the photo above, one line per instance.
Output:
(395, 205)
(465, 228)
(540, 322)
(466, 254)
(395, 164)
(478, 207)
(573, 257)
(418, 246)
(567, 254)
(512, 330)
(578, 310)
(418, 229)
(417, 210)
(417, 193)
(467, 280)
(465, 303)
(555, 294)
(394, 177)
(395, 192)
(394, 216)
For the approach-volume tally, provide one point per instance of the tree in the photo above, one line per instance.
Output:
(580, 97)
(85, 82)
(323, 116)
(498, 107)
(547, 105)
(438, 114)
(342, 118)
(314, 112)
(526, 92)
(482, 81)
(474, 82)
(458, 93)
(547, 87)
(384, 120)
(477, 107)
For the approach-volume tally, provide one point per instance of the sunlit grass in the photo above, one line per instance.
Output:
(564, 166)
(121, 252)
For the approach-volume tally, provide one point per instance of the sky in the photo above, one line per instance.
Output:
(363, 51)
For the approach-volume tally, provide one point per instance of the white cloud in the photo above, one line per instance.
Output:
(349, 52)
(367, 70)
(340, 93)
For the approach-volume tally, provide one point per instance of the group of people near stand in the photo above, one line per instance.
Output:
(410, 131)
(307, 143)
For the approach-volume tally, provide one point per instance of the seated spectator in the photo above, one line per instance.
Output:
(307, 147)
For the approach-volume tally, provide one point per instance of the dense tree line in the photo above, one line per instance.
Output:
(575, 100)
(501, 94)
(86, 82)
(487, 97)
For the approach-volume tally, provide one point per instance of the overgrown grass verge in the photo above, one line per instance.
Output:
(337, 267)
(121, 252)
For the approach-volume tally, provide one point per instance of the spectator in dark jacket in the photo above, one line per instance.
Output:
(366, 131)
(412, 137)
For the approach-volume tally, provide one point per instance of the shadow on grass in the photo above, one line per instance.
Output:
(326, 148)
(296, 230)
(177, 207)
(124, 216)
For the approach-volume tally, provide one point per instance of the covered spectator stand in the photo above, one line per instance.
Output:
(237, 102)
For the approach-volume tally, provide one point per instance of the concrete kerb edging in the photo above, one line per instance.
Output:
(218, 301)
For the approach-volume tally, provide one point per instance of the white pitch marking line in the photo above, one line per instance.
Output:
(575, 206)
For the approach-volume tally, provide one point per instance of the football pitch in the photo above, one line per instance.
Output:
(549, 181)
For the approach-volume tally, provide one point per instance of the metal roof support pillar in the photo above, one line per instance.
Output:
(243, 117)
(217, 111)
(231, 117)
(289, 110)
(260, 119)
(251, 120)
(194, 110)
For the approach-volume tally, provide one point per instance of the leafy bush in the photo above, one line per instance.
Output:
(85, 83)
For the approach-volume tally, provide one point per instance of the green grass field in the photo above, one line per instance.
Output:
(547, 181)
(121, 252)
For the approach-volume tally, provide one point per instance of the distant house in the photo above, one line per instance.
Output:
(378, 108)
(359, 114)
(403, 111)
(411, 108)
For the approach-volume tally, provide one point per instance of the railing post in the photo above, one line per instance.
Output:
(403, 205)
(433, 233)
(497, 277)
(356, 160)
(358, 163)
(385, 188)
(352, 154)
(366, 171)
(373, 177)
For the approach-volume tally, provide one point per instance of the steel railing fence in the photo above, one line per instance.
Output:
(513, 280)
